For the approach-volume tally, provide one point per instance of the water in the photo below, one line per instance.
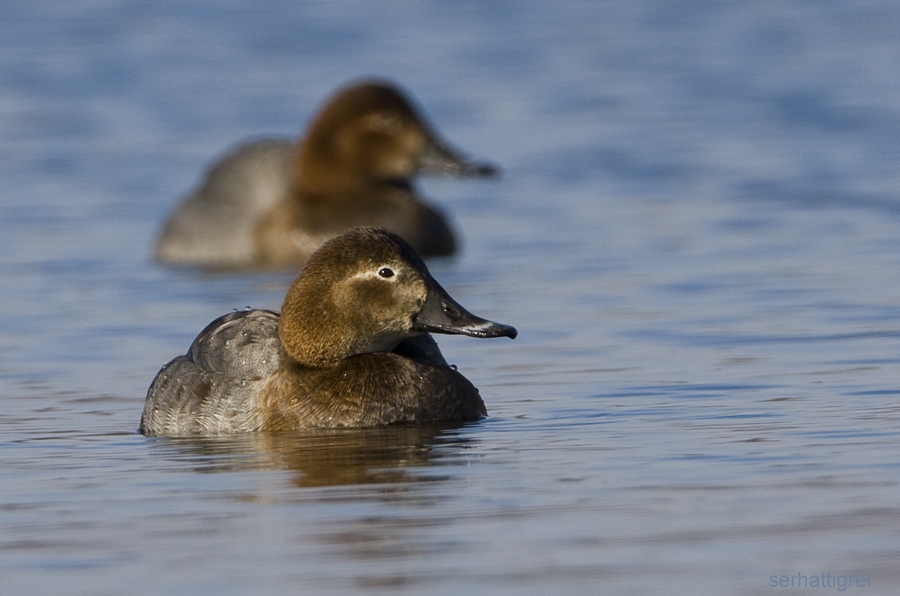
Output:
(695, 233)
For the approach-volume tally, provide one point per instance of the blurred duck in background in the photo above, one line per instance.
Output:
(271, 203)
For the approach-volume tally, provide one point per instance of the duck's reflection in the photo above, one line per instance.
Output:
(327, 457)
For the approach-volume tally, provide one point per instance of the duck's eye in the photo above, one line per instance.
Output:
(386, 272)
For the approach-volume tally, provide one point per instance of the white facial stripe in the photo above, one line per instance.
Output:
(374, 273)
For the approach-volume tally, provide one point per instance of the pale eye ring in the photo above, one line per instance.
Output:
(387, 122)
(386, 272)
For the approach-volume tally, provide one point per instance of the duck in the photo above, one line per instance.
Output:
(351, 348)
(270, 203)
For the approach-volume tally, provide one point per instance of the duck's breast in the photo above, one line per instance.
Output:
(371, 390)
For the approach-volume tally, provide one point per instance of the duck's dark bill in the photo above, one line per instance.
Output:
(442, 314)
(441, 159)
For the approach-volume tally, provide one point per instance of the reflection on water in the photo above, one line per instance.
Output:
(326, 457)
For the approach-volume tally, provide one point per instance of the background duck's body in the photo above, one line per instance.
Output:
(214, 226)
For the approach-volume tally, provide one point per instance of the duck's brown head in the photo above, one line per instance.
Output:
(368, 133)
(365, 291)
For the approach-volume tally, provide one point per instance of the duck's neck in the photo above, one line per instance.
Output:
(327, 349)
(321, 171)
(314, 347)
(311, 338)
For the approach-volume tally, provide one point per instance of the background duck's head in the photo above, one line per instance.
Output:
(365, 291)
(369, 132)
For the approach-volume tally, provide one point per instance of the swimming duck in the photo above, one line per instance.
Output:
(351, 348)
(271, 202)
